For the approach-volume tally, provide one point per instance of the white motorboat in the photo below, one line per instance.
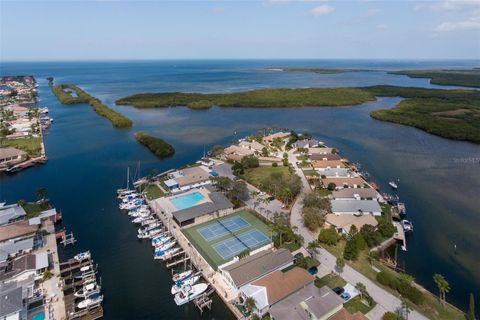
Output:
(149, 227)
(393, 185)
(161, 249)
(188, 293)
(87, 290)
(131, 205)
(177, 287)
(141, 219)
(167, 254)
(82, 256)
(91, 300)
(140, 213)
(148, 221)
(150, 234)
(130, 197)
(161, 241)
(160, 237)
(182, 276)
(407, 226)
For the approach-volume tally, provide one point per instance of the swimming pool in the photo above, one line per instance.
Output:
(187, 201)
(39, 316)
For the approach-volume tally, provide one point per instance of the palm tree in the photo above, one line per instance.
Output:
(250, 304)
(361, 288)
(340, 264)
(312, 247)
(443, 286)
(40, 194)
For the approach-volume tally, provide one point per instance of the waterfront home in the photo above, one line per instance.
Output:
(194, 206)
(18, 230)
(236, 153)
(336, 172)
(343, 222)
(252, 145)
(19, 111)
(11, 303)
(356, 194)
(343, 314)
(278, 285)
(185, 179)
(267, 140)
(344, 182)
(308, 303)
(320, 150)
(356, 207)
(11, 249)
(319, 164)
(11, 213)
(325, 157)
(306, 144)
(26, 267)
(11, 156)
(256, 266)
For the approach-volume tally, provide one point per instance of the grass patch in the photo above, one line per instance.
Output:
(31, 145)
(331, 281)
(466, 78)
(63, 93)
(158, 146)
(33, 209)
(355, 305)
(310, 173)
(265, 98)
(291, 246)
(153, 192)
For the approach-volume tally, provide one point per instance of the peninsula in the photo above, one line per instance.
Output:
(459, 77)
(71, 94)
(158, 146)
(452, 114)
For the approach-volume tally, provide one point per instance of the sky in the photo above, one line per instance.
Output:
(262, 29)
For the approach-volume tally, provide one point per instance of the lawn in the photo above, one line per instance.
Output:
(31, 145)
(331, 281)
(257, 175)
(310, 172)
(355, 305)
(205, 248)
(32, 209)
(153, 192)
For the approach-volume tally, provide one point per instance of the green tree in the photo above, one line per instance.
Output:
(250, 304)
(386, 228)
(340, 264)
(238, 168)
(331, 186)
(313, 246)
(216, 151)
(312, 218)
(442, 285)
(41, 193)
(351, 251)
(329, 236)
(389, 316)
(471, 308)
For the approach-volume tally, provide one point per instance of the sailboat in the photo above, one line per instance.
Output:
(125, 191)
(179, 285)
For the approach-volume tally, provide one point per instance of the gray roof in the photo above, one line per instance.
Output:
(258, 265)
(11, 213)
(11, 248)
(17, 266)
(320, 301)
(353, 192)
(219, 202)
(335, 172)
(10, 301)
(355, 206)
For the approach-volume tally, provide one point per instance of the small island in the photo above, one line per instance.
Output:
(71, 94)
(319, 70)
(265, 98)
(158, 146)
(462, 78)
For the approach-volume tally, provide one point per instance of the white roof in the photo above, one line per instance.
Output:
(41, 260)
(339, 206)
(171, 183)
(258, 293)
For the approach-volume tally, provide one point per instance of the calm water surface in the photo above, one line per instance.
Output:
(439, 179)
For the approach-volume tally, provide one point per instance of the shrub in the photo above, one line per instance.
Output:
(331, 186)
(312, 218)
(389, 316)
(249, 162)
(274, 164)
(402, 286)
(386, 228)
(351, 251)
(329, 236)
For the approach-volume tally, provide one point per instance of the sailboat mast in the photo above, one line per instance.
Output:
(128, 178)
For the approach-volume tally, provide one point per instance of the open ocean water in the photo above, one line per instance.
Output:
(439, 178)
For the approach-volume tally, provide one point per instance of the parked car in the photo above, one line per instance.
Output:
(338, 290)
(298, 255)
(345, 296)
(313, 270)
(271, 198)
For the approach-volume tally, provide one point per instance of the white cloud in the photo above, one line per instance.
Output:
(460, 4)
(321, 10)
(470, 24)
(372, 12)
(382, 26)
(218, 9)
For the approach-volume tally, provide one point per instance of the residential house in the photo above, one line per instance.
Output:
(325, 164)
(256, 266)
(308, 303)
(344, 182)
(278, 285)
(343, 314)
(25, 267)
(11, 213)
(236, 153)
(356, 194)
(11, 303)
(325, 157)
(18, 230)
(356, 207)
(336, 172)
(188, 178)
(343, 222)
(252, 145)
(11, 156)
(306, 144)
(11, 249)
(279, 135)
(320, 150)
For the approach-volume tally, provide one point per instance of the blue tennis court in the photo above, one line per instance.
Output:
(246, 241)
(219, 228)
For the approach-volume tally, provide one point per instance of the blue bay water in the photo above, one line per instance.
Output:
(88, 160)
